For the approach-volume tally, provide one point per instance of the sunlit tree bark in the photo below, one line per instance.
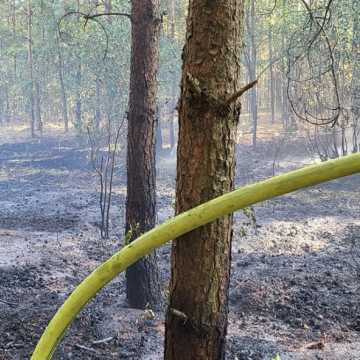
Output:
(197, 315)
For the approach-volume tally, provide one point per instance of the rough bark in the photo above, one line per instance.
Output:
(197, 314)
(143, 286)
(159, 141)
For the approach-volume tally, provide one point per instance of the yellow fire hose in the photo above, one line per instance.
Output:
(180, 225)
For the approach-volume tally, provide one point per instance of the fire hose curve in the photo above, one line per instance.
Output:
(179, 225)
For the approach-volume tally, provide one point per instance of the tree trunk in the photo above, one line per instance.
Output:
(62, 86)
(197, 314)
(284, 97)
(174, 88)
(355, 81)
(31, 71)
(38, 107)
(253, 63)
(14, 34)
(78, 94)
(97, 103)
(78, 120)
(143, 285)
(159, 142)
(108, 7)
(272, 77)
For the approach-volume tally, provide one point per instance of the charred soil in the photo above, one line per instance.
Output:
(295, 287)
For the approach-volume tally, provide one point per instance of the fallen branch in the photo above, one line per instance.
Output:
(82, 347)
(103, 341)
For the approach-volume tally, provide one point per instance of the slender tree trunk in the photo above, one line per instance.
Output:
(78, 119)
(14, 107)
(78, 94)
(252, 68)
(97, 103)
(108, 7)
(5, 118)
(197, 314)
(272, 78)
(62, 86)
(174, 94)
(14, 32)
(143, 285)
(355, 82)
(284, 97)
(31, 71)
(1, 107)
(38, 107)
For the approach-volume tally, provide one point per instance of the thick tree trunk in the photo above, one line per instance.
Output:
(197, 315)
(143, 286)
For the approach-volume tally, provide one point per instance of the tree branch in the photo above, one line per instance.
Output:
(241, 92)
(89, 17)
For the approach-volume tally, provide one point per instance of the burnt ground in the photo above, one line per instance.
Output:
(295, 287)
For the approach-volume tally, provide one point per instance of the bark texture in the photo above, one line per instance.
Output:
(143, 286)
(197, 314)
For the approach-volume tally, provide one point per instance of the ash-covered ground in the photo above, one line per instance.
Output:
(295, 287)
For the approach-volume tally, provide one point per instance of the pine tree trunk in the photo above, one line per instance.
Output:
(97, 103)
(284, 95)
(78, 94)
(175, 85)
(78, 104)
(62, 85)
(197, 315)
(38, 107)
(253, 63)
(272, 77)
(159, 141)
(355, 81)
(142, 279)
(31, 71)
